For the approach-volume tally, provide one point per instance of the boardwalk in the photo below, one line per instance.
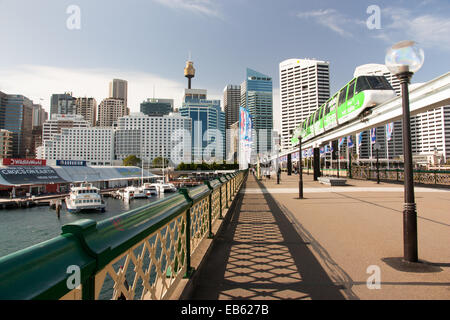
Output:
(279, 247)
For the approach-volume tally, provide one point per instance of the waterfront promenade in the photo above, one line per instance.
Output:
(327, 245)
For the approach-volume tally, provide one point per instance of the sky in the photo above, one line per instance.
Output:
(55, 46)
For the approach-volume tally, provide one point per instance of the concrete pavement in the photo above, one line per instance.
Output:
(328, 245)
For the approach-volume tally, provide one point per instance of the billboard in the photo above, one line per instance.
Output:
(24, 162)
(30, 175)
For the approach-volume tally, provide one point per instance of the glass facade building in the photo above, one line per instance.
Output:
(256, 96)
(157, 107)
(16, 116)
(205, 115)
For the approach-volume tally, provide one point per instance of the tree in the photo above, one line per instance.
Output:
(158, 162)
(131, 160)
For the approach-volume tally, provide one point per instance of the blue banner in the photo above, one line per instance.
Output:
(389, 130)
(373, 135)
(360, 137)
(350, 142)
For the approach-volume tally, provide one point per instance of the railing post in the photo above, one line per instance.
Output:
(189, 269)
(220, 199)
(210, 235)
(88, 288)
(435, 177)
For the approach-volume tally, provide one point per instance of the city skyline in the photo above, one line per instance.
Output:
(156, 59)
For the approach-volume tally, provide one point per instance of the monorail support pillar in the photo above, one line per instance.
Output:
(316, 163)
(289, 164)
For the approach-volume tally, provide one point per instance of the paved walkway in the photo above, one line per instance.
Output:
(277, 246)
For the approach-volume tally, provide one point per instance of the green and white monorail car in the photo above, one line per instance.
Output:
(360, 94)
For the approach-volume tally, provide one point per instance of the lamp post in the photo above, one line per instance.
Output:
(377, 147)
(403, 59)
(300, 168)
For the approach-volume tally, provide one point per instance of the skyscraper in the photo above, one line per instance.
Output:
(62, 104)
(87, 107)
(231, 103)
(118, 89)
(109, 110)
(256, 96)
(157, 107)
(304, 86)
(16, 116)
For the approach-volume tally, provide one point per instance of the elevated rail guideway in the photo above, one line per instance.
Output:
(430, 95)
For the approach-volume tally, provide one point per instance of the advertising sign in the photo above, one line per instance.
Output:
(24, 162)
(245, 137)
(30, 175)
(71, 163)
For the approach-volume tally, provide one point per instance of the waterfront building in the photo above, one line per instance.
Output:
(149, 137)
(16, 116)
(6, 142)
(118, 89)
(91, 144)
(304, 86)
(87, 107)
(60, 121)
(157, 107)
(62, 104)
(256, 96)
(109, 110)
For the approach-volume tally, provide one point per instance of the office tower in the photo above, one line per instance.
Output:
(207, 117)
(231, 103)
(118, 89)
(54, 125)
(6, 143)
(256, 96)
(39, 115)
(109, 110)
(87, 107)
(148, 137)
(92, 144)
(304, 87)
(62, 104)
(16, 116)
(157, 107)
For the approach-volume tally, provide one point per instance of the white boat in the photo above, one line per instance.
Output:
(163, 187)
(149, 189)
(128, 193)
(85, 197)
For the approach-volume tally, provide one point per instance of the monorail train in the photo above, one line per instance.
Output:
(360, 94)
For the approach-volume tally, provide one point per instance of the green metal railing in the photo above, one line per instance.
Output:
(140, 254)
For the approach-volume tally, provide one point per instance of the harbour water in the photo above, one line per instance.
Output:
(22, 228)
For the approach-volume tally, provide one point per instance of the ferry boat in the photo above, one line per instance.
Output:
(84, 197)
(128, 193)
(163, 187)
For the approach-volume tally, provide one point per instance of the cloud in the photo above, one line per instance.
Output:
(429, 30)
(40, 82)
(204, 7)
(331, 19)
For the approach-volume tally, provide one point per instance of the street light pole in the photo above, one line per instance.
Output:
(403, 59)
(300, 169)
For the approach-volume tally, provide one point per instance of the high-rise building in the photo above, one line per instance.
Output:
(6, 142)
(39, 115)
(59, 121)
(256, 96)
(62, 104)
(231, 103)
(208, 122)
(109, 110)
(87, 107)
(16, 116)
(304, 87)
(118, 89)
(92, 144)
(148, 137)
(157, 107)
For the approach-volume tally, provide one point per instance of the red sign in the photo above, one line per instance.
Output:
(24, 162)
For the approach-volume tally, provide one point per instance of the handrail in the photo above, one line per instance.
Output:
(41, 271)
